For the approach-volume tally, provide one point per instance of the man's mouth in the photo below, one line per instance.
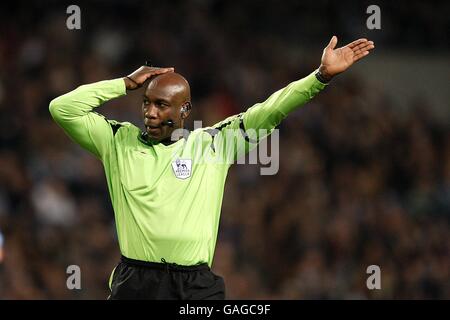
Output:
(153, 129)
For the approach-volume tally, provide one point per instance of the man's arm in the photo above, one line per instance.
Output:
(268, 114)
(74, 111)
(238, 134)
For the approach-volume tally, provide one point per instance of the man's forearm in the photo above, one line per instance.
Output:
(73, 112)
(270, 113)
(84, 99)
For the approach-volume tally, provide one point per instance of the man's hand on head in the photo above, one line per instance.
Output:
(335, 61)
(137, 78)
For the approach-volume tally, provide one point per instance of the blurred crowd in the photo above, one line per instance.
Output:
(360, 182)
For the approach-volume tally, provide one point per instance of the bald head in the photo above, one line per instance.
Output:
(171, 84)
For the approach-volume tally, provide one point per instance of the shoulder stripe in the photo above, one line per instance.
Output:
(114, 126)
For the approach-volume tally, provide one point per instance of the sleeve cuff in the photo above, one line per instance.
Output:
(312, 82)
(118, 86)
(320, 78)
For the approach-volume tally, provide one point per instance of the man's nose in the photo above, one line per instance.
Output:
(152, 111)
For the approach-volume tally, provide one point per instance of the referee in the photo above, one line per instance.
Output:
(167, 204)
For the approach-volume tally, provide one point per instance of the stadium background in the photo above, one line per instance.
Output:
(364, 168)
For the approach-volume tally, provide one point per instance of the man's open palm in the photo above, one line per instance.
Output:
(335, 61)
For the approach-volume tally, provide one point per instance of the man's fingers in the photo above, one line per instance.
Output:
(366, 47)
(361, 46)
(164, 70)
(332, 43)
(157, 70)
(351, 45)
(360, 55)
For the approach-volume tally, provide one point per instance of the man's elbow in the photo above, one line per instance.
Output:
(55, 108)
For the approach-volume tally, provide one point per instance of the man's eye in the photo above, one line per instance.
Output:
(145, 102)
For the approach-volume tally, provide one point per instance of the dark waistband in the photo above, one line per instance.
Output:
(163, 265)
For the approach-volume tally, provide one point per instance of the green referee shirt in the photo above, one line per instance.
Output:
(166, 199)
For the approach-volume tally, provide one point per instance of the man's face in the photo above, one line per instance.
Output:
(161, 102)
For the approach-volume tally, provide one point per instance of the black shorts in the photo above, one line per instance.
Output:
(134, 279)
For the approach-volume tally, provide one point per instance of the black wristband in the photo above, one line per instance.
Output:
(320, 77)
(133, 81)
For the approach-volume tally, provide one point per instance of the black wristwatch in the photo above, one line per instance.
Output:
(320, 77)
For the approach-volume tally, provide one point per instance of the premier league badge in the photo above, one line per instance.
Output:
(182, 168)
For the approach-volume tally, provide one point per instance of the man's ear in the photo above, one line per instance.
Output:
(185, 110)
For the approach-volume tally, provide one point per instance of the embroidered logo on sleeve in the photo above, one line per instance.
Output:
(182, 168)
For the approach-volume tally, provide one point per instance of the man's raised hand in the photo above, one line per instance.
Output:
(335, 61)
(137, 78)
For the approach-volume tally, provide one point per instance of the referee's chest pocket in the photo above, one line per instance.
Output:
(136, 173)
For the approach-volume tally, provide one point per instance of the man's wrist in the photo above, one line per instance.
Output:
(130, 84)
(322, 75)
